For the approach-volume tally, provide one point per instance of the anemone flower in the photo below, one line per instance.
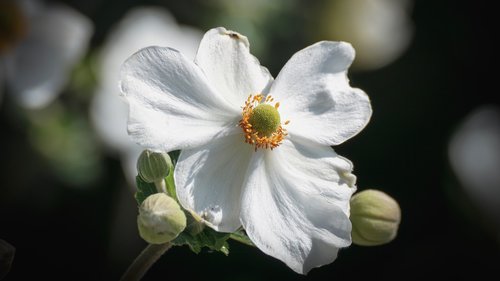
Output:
(255, 152)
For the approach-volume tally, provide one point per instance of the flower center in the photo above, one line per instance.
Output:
(261, 122)
(12, 24)
(265, 119)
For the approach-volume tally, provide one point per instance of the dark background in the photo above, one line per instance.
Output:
(449, 70)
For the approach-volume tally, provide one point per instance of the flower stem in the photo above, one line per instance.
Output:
(161, 187)
(144, 261)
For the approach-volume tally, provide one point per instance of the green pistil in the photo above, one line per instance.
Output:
(265, 119)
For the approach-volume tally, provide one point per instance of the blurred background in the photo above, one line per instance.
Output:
(433, 143)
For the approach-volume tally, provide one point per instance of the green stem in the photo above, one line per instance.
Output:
(144, 261)
(161, 186)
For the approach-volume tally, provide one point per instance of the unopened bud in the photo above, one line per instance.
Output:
(153, 166)
(160, 219)
(375, 218)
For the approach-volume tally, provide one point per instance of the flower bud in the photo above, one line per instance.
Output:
(153, 166)
(160, 219)
(375, 218)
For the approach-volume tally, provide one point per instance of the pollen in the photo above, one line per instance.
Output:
(261, 122)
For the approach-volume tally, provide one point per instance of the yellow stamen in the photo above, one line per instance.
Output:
(261, 139)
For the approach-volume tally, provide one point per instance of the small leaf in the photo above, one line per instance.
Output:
(241, 237)
(144, 189)
(187, 239)
(208, 238)
(225, 249)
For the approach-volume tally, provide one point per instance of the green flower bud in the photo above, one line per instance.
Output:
(153, 166)
(375, 218)
(160, 219)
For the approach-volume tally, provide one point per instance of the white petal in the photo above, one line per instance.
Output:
(315, 95)
(209, 180)
(39, 67)
(171, 105)
(225, 58)
(295, 205)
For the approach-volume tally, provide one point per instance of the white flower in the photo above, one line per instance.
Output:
(474, 153)
(141, 27)
(52, 39)
(292, 200)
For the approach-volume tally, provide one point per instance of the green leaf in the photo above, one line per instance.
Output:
(241, 237)
(208, 238)
(144, 189)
